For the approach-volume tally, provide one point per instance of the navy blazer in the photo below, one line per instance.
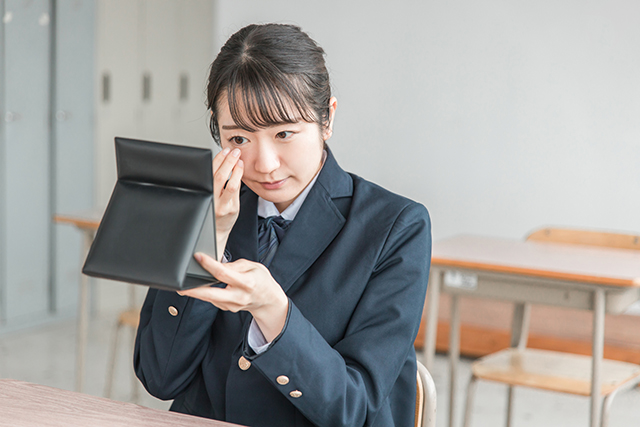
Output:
(355, 265)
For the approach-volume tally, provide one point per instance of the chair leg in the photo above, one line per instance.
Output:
(606, 406)
(509, 405)
(468, 407)
(135, 385)
(112, 362)
(520, 325)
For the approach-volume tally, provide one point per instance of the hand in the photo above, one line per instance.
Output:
(250, 287)
(227, 176)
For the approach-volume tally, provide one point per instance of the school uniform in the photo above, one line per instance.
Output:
(354, 263)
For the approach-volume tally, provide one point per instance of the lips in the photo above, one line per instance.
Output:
(273, 185)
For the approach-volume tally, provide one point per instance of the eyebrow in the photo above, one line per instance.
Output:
(236, 127)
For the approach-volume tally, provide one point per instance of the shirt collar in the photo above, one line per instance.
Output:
(267, 208)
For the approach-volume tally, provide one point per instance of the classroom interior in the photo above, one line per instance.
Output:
(501, 117)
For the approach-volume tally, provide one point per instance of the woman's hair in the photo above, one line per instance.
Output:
(271, 74)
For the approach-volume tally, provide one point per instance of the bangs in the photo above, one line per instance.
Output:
(258, 99)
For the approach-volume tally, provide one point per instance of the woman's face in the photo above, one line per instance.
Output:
(279, 161)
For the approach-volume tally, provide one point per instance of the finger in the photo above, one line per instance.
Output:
(243, 265)
(223, 173)
(223, 298)
(219, 270)
(219, 158)
(232, 186)
(229, 200)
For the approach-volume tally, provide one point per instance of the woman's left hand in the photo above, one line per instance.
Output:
(250, 287)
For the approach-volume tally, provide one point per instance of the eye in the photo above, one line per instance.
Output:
(285, 134)
(238, 140)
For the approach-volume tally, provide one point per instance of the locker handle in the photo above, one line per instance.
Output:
(106, 87)
(146, 86)
(62, 115)
(11, 116)
(184, 87)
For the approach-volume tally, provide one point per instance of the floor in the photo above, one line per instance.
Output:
(46, 355)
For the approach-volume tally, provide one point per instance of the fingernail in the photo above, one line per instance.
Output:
(235, 152)
(240, 163)
(226, 151)
(198, 256)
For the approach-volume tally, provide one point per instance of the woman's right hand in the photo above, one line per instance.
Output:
(227, 178)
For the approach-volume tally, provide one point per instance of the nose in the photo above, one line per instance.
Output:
(268, 159)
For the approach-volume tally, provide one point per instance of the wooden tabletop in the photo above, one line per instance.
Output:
(88, 220)
(613, 267)
(27, 404)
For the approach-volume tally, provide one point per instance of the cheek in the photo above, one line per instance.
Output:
(246, 155)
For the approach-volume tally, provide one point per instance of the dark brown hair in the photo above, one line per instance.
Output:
(271, 74)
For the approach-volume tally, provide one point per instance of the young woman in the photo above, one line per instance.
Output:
(325, 272)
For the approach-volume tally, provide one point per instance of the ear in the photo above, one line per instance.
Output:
(328, 130)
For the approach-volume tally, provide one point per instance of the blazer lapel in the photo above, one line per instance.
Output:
(314, 227)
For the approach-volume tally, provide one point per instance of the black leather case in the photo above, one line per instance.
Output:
(161, 211)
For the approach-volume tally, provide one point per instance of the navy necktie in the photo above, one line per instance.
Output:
(270, 233)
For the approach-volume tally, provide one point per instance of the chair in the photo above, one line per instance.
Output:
(129, 318)
(425, 399)
(552, 370)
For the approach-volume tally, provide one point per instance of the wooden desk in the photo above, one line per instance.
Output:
(26, 404)
(597, 279)
(87, 223)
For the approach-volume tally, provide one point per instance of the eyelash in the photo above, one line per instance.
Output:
(243, 140)
(285, 132)
(234, 140)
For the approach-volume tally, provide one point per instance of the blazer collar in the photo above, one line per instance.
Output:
(336, 181)
(313, 229)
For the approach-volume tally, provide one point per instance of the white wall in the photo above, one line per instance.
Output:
(500, 116)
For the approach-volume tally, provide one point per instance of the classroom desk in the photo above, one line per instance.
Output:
(592, 278)
(25, 404)
(87, 223)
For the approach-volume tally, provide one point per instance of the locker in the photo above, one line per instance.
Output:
(194, 58)
(26, 173)
(46, 144)
(158, 34)
(3, 167)
(155, 55)
(73, 142)
(152, 62)
(118, 87)
(74, 75)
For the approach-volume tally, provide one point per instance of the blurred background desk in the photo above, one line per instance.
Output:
(26, 404)
(597, 279)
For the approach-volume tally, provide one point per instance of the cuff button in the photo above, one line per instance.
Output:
(295, 394)
(173, 311)
(282, 380)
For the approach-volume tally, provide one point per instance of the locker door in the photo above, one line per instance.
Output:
(194, 58)
(3, 181)
(159, 47)
(73, 135)
(26, 172)
(118, 87)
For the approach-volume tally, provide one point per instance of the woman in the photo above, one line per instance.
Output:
(325, 272)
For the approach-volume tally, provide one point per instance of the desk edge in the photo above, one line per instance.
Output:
(609, 281)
